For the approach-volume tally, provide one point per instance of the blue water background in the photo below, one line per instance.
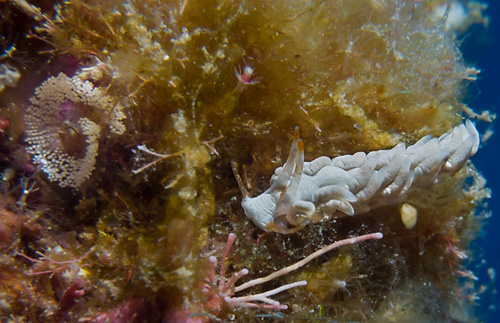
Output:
(481, 47)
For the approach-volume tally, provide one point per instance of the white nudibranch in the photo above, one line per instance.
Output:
(309, 192)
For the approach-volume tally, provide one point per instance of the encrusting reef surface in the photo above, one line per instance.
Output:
(130, 129)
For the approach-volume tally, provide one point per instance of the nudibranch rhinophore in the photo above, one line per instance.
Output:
(309, 192)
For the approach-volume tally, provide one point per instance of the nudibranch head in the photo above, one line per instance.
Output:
(259, 209)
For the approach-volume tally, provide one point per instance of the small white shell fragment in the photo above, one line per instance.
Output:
(307, 192)
(408, 215)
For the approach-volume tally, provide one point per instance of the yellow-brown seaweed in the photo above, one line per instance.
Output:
(137, 234)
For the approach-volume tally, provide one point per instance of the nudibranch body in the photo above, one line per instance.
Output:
(309, 192)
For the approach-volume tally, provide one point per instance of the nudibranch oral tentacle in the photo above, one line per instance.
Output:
(308, 192)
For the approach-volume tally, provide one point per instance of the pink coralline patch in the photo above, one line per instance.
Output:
(70, 298)
(133, 310)
(9, 223)
(4, 124)
(182, 316)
